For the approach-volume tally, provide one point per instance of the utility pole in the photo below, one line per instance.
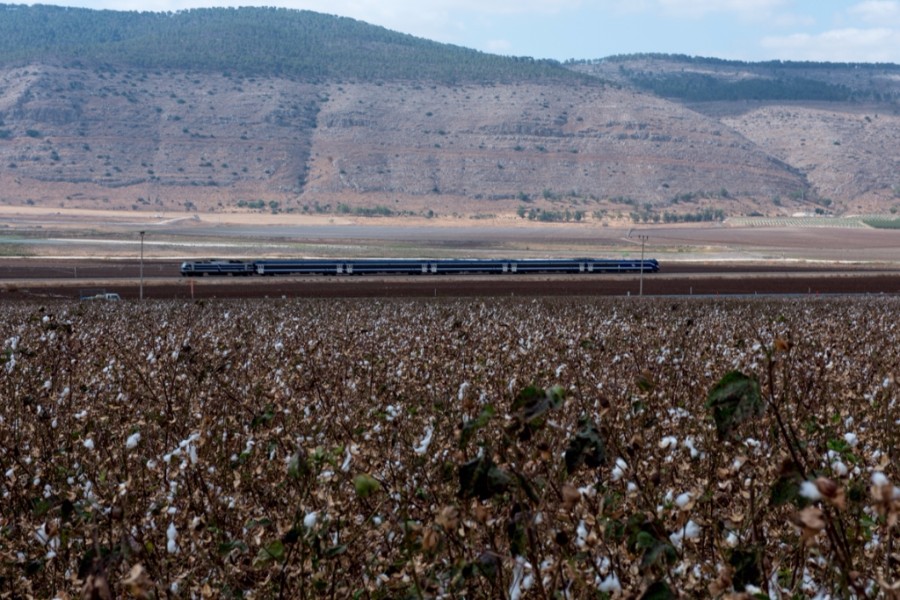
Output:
(643, 240)
(142, 264)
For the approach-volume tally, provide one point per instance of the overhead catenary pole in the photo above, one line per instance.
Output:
(142, 264)
(643, 240)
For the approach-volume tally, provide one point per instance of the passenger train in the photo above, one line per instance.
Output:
(416, 266)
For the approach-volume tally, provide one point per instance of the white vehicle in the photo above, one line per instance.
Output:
(104, 296)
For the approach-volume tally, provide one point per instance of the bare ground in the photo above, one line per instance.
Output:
(59, 254)
(47, 280)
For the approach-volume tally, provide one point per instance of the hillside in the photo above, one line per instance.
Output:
(278, 110)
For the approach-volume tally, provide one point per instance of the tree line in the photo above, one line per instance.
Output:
(251, 42)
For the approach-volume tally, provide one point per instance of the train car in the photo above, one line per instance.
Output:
(217, 267)
(299, 267)
(387, 266)
(455, 266)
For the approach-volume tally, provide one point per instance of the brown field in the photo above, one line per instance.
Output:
(50, 281)
(453, 448)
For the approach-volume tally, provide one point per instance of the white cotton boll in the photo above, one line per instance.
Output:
(422, 448)
(731, 540)
(683, 499)
(560, 369)
(851, 439)
(668, 442)
(616, 474)
(581, 534)
(631, 487)
(465, 385)
(172, 537)
(41, 535)
(588, 490)
(690, 445)
(610, 584)
(309, 521)
(515, 589)
(89, 443)
(133, 440)
(879, 479)
(348, 458)
(690, 531)
(809, 491)
(81, 415)
(839, 468)
(752, 589)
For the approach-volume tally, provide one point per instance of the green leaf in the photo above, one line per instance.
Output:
(515, 534)
(336, 551)
(489, 564)
(644, 383)
(263, 522)
(658, 590)
(532, 403)
(471, 427)
(226, 547)
(482, 478)
(748, 568)
(41, 507)
(365, 485)
(297, 466)
(650, 537)
(735, 399)
(586, 447)
(787, 487)
(644, 540)
(661, 552)
(273, 551)
(264, 418)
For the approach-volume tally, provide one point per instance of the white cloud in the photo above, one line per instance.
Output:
(877, 11)
(838, 45)
(701, 8)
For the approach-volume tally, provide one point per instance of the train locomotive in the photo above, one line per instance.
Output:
(415, 266)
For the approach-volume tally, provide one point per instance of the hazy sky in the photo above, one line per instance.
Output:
(821, 30)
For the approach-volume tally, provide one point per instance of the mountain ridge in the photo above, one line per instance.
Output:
(434, 129)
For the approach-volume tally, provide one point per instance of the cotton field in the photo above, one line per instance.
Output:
(450, 449)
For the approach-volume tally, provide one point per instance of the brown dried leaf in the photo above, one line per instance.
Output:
(137, 582)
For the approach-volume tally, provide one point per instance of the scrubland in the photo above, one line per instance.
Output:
(566, 448)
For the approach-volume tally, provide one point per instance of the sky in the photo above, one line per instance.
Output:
(750, 30)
